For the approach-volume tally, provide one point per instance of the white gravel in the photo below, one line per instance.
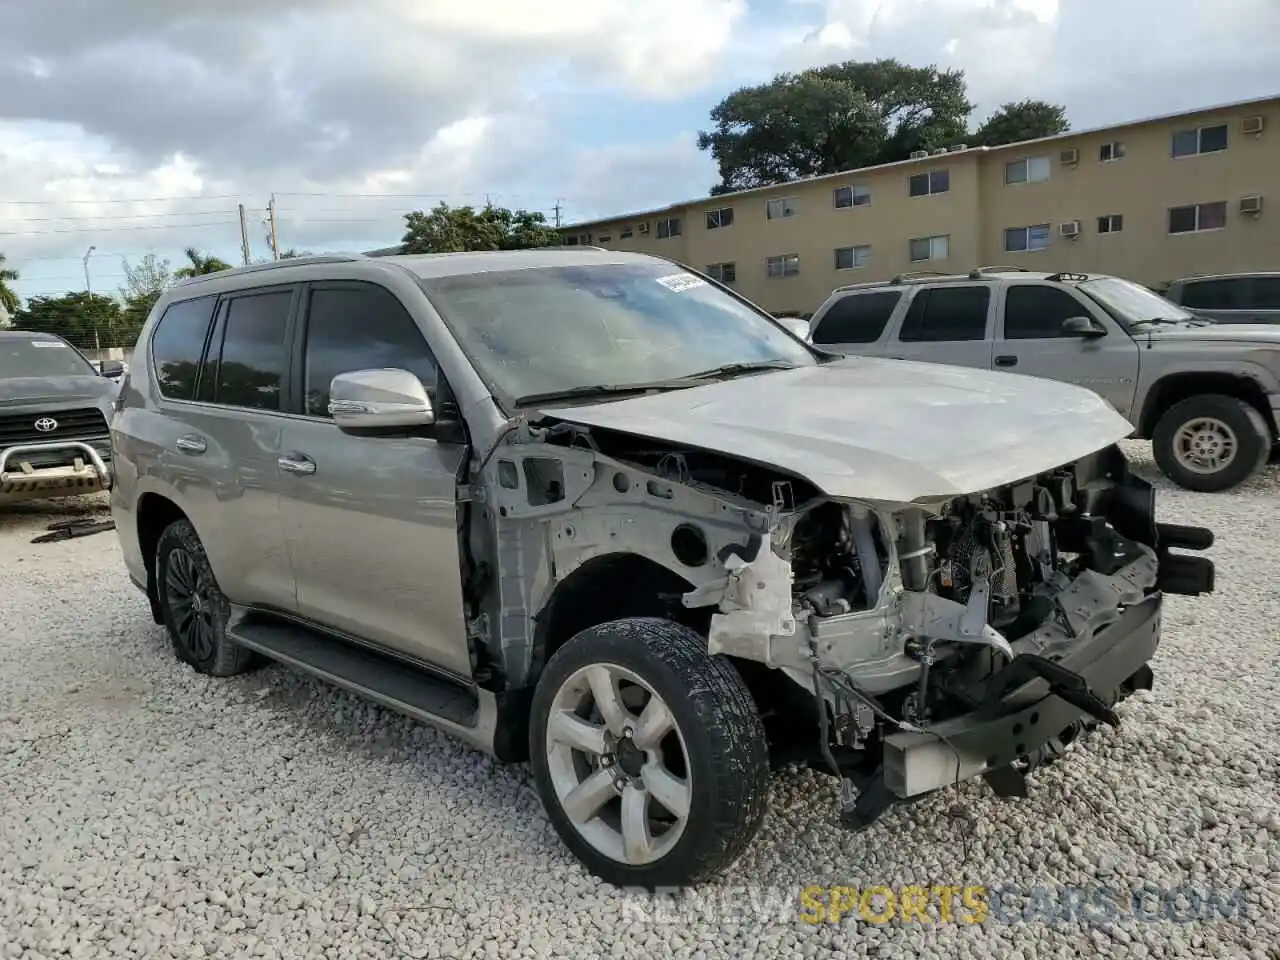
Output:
(146, 811)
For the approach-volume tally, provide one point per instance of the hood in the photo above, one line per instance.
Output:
(1253, 333)
(874, 429)
(20, 391)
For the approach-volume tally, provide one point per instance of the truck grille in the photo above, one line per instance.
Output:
(84, 424)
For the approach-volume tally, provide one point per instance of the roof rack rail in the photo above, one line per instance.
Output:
(911, 275)
(1066, 275)
(977, 272)
(274, 265)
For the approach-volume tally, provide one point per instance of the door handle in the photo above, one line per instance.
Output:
(297, 463)
(1006, 360)
(191, 444)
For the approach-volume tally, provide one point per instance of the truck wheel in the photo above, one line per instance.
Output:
(193, 607)
(1210, 442)
(648, 753)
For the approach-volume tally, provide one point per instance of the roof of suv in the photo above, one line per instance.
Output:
(977, 274)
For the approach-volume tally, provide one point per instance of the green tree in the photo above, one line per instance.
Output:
(9, 302)
(831, 118)
(1022, 120)
(293, 254)
(143, 286)
(85, 319)
(200, 264)
(455, 229)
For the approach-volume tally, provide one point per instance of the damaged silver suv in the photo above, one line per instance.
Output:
(597, 511)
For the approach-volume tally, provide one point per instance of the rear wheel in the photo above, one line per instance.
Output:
(1210, 442)
(192, 605)
(648, 753)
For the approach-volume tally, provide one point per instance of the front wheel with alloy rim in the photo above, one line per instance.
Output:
(1210, 442)
(192, 605)
(648, 753)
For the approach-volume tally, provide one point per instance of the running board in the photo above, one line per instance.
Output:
(386, 680)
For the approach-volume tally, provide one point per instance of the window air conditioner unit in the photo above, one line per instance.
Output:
(1253, 125)
(1251, 204)
(1070, 228)
(918, 154)
(642, 228)
(939, 151)
(1069, 156)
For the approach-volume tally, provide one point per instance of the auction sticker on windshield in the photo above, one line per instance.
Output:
(47, 343)
(680, 282)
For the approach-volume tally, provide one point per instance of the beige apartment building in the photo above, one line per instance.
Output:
(1150, 200)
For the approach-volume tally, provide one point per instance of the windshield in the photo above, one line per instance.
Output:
(1131, 303)
(550, 330)
(41, 358)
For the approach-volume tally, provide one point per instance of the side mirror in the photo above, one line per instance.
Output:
(370, 399)
(1082, 327)
(111, 369)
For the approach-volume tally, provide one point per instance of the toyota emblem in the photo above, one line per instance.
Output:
(46, 424)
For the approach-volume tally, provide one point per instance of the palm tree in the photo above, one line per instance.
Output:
(9, 302)
(200, 264)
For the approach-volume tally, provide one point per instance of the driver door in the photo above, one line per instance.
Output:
(371, 521)
(1029, 340)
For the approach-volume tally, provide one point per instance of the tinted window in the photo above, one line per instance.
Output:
(859, 318)
(360, 327)
(1211, 294)
(1263, 294)
(177, 344)
(1036, 312)
(252, 363)
(947, 313)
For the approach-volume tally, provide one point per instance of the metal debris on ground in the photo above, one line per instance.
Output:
(66, 529)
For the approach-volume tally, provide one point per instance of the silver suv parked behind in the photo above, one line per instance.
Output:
(595, 510)
(1229, 297)
(1206, 395)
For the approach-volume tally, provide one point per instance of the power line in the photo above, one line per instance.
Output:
(58, 203)
(158, 226)
(119, 216)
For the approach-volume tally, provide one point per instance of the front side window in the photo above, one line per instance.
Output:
(1196, 217)
(857, 318)
(927, 184)
(254, 354)
(1212, 294)
(1036, 311)
(1262, 293)
(928, 248)
(1023, 239)
(359, 326)
(177, 344)
(48, 357)
(551, 329)
(953, 313)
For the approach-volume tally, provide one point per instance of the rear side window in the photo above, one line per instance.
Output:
(252, 361)
(857, 318)
(360, 326)
(1036, 312)
(947, 313)
(1212, 294)
(177, 343)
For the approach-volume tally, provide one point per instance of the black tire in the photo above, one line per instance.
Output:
(181, 563)
(717, 721)
(1250, 428)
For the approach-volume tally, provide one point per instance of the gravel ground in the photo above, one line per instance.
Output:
(147, 811)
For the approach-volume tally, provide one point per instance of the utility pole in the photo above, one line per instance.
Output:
(244, 237)
(556, 208)
(275, 237)
(88, 289)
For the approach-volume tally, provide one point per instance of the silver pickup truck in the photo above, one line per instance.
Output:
(1206, 394)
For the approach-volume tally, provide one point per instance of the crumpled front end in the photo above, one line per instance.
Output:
(975, 636)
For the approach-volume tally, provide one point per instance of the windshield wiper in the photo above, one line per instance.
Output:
(731, 369)
(600, 390)
(1156, 320)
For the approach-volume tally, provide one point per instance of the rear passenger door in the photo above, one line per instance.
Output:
(856, 323)
(222, 427)
(371, 521)
(947, 324)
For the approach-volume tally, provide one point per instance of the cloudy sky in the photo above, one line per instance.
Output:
(137, 126)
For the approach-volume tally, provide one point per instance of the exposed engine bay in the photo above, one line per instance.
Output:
(975, 635)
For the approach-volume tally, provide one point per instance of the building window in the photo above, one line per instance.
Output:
(927, 184)
(1111, 151)
(668, 227)
(1190, 143)
(720, 218)
(1198, 217)
(571, 240)
(605, 238)
(849, 257)
(624, 233)
(854, 195)
(1027, 170)
(584, 239)
(1022, 239)
(782, 207)
(1110, 223)
(783, 265)
(929, 248)
(724, 272)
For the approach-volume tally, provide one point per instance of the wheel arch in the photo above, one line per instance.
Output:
(155, 512)
(1176, 387)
